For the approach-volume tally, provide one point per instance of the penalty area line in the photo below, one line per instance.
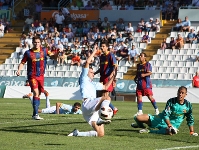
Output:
(184, 147)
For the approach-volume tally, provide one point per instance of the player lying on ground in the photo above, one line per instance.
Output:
(92, 104)
(170, 119)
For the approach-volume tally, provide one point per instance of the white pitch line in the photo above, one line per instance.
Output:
(184, 147)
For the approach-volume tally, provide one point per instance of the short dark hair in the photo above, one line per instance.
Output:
(104, 42)
(182, 87)
(143, 54)
(77, 104)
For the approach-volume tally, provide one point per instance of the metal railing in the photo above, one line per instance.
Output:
(15, 3)
(63, 3)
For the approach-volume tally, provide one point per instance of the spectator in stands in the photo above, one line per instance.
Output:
(85, 29)
(64, 11)
(36, 23)
(129, 28)
(178, 25)
(196, 38)
(156, 25)
(75, 59)
(107, 6)
(70, 35)
(59, 19)
(39, 29)
(123, 52)
(163, 45)
(61, 56)
(145, 38)
(105, 22)
(74, 6)
(195, 81)
(27, 23)
(148, 25)
(197, 57)
(38, 9)
(190, 37)
(130, 5)
(120, 24)
(1, 30)
(186, 25)
(132, 55)
(88, 6)
(172, 43)
(169, 12)
(179, 42)
(64, 40)
(141, 25)
(122, 7)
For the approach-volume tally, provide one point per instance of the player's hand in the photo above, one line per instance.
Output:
(142, 75)
(136, 80)
(173, 130)
(18, 72)
(194, 134)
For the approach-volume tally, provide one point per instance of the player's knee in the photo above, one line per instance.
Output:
(100, 133)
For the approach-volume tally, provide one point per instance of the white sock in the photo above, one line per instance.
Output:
(31, 99)
(88, 133)
(105, 103)
(47, 102)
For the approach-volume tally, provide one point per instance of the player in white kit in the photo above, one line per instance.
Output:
(91, 104)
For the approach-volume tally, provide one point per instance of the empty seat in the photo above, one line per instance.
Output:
(2, 67)
(8, 66)
(152, 62)
(194, 46)
(67, 74)
(178, 57)
(176, 70)
(166, 63)
(163, 57)
(165, 76)
(181, 64)
(174, 64)
(175, 52)
(75, 74)
(10, 73)
(59, 68)
(187, 46)
(53, 74)
(185, 57)
(157, 76)
(143, 45)
(50, 67)
(169, 70)
(156, 57)
(173, 34)
(152, 34)
(188, 77)
(123, 69)
(173, 76)
(171, 57)
(190, 51)
(160, 51)
(180, 77)
(24, 73)
(60, 73)
(119, 75)
(196, 64)
(161, 69)
(167, 51)
(8, 61)
(3, 72)
(182, 51)
(189, 64)
(154, 69)
(47, 73)
(193, 70)
(158, 63)
(183, 70)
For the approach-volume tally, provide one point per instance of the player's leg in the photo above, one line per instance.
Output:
(149, 94)
(49, 110)
(47, 99)
(139, 101)
(140, 120)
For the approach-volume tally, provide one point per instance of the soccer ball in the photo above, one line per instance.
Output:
(106, 113)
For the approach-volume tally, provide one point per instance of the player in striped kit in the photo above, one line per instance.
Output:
(144, 85)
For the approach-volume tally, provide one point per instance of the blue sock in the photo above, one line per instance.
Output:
(153, 102)
(36, 103)
(139, 104)
(111, 106)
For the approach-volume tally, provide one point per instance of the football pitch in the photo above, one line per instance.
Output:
(19, 132)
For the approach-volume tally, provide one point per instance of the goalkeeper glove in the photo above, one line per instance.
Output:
(173, 130)
(194, 134)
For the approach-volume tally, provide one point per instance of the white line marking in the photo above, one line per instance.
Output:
(184, 147)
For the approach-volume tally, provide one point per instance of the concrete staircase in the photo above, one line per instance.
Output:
(152, 47)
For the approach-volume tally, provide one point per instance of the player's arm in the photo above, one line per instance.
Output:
(20, 67)
(148, 70)
(192, 83)
(106, 86)
(88, 61)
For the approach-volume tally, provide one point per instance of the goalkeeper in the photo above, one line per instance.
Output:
(170, 119)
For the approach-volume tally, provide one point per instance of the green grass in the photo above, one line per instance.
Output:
(19, 131)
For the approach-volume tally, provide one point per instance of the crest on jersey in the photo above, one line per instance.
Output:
(184, 110)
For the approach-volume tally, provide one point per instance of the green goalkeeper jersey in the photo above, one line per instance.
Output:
(176, 112)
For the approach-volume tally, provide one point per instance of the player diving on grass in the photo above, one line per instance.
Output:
(170, 119)
(144, 85)
(59, 108)
(91, 104)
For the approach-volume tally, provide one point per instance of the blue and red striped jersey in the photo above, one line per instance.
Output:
(107, 64)
(36, 61)
(144, 82)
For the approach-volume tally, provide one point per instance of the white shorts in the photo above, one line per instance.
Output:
(88, 109)
(50, 110)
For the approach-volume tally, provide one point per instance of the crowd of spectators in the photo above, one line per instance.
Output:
(74, 40)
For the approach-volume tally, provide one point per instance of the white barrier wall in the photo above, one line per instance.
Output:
(191, 13)
(64, 93)
(72, 93)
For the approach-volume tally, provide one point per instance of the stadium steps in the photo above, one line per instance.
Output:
(10, 41)
(152, 47)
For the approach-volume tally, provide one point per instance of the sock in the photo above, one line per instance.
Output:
(153, 102)
(111, 106)
(47, 102)
(141, 125)
(36, 103)
(88, 133)
(105, 103)
(139, 104)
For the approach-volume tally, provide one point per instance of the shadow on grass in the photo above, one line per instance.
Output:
(26, 129)
(54, 144)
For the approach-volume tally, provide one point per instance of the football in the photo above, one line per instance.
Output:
(106, 113)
